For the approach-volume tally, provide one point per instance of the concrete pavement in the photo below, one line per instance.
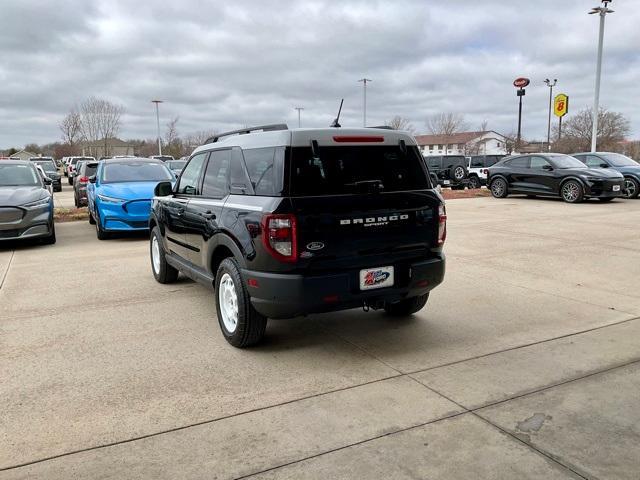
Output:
(524, 364)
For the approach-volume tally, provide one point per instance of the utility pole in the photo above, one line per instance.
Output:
(157, 102)
(299, 109)
(550, 85)
(602, 11)
(364, 100)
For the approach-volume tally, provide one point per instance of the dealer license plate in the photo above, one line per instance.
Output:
(379, 277)
(446, 182)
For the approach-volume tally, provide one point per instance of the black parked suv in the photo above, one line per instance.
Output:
(285, 223)
(451, 170)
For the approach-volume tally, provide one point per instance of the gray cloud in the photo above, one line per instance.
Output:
(224, 64)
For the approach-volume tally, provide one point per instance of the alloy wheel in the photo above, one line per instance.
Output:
(497, 188)
(570, 191)
(629, 188)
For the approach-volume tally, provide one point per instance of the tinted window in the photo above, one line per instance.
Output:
(18, 175)
(537, 163)
(134, 172)
(618, 160)
(343, 170)
(261, 169)
(239, 182)
(89, 169)
(47, 166)
(434, 162)
(448, 162)
(215, 178)
(477, 162)
(492, 160)
(190, 177)
(521, 162)
(565, 161)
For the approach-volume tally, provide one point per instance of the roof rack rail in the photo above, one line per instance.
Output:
(383, 127)
(264, 128)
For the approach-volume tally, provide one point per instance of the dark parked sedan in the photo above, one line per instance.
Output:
(615, 161)
(553, 174)
(85, 170)
(26, 206)
(51, 170)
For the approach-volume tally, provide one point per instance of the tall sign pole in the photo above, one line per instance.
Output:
(157, 102)
(364, 99)
(550, 85)
(520, 83)
(602, 11)
(560, 109)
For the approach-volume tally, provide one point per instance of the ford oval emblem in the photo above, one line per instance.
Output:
(315, 246)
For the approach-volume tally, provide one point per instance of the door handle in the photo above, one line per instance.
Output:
(209, 215)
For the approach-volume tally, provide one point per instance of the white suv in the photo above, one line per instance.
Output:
(478, 165)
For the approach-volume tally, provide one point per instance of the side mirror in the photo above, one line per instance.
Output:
(547, 167)
(604, 165)
(92, 179)
(163, 189)
(47, 181)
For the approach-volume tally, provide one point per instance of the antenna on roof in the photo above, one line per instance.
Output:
(335, 122)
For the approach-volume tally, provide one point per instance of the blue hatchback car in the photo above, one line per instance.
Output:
(615, 161)
(119, 194)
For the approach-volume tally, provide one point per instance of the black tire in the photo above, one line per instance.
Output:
(75, 201)
(70, 180)
(606, 199)
(474, 182)
(92, 221)
(251, 325)
(100, 233)
(631, 188)
(571, 191)
(531, 196)
(165, 273)
(499, 188)
(407, 307)
(51, 239)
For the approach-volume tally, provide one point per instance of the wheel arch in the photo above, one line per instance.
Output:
(226, 247)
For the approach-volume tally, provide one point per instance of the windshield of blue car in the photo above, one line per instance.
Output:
(135, 172)
(617, 160)
(47, 165)
(19, 176)
(566, 161)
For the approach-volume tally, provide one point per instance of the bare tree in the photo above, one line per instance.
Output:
(172, 139)
(71, 127)
(446, 123)
(196, 139)
(100, 120)
(401, 123)
(613, 127)
(484, 125)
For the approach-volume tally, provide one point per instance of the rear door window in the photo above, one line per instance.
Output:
(448, 162)
(521, 162)
(216, 182)
(349, 170)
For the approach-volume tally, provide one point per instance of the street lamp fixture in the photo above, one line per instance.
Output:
(602, 11)
(157, 102)
(299, 109)
(550, 84)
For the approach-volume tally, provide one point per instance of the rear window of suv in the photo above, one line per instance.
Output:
(343, 170)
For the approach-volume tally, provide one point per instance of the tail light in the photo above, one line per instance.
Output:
(279, 236)
(84, 179)
(442, 224)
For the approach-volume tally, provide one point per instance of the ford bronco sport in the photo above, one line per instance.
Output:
(283, 223)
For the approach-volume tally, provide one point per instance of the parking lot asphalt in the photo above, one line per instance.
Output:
(524, 364)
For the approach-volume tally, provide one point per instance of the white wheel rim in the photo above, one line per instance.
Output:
(155, 254)
(228, 299)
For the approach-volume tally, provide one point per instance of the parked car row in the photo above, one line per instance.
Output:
(573, 178)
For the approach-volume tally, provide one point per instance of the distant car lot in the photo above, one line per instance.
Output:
(502, 374)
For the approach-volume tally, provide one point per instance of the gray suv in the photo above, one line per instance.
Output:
(26, 206)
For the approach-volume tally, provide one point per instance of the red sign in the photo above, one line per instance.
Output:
(520, 82)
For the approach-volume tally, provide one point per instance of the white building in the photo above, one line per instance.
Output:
(463, 143)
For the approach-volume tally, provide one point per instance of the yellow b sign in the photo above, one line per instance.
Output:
(561, 105)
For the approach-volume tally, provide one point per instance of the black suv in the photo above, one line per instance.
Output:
(285, 223)
(451, 170)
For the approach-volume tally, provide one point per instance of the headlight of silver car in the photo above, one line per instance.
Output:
(38, 203)
(107, 199)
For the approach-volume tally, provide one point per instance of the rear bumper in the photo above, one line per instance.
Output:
(287, 296)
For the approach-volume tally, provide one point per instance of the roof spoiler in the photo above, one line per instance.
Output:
(260, 128)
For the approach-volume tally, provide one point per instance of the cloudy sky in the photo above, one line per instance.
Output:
(223, 64)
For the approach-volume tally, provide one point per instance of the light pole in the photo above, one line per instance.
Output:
(550, 85)
(157, 102)
(364, 99)
(602, 11)
(299, 109)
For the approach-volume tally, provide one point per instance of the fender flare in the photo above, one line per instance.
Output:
(225, 240)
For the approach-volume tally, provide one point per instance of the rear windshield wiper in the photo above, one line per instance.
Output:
(371, 186)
